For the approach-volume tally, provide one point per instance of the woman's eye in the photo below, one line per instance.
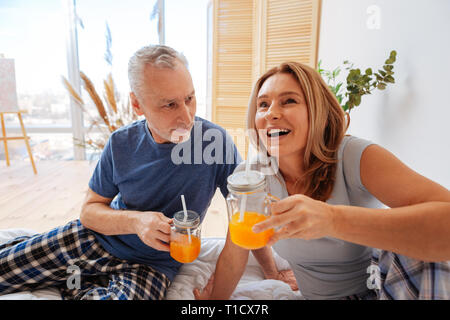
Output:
(290, 100)
(263, 105)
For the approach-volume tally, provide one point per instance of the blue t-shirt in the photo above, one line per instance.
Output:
(143, 175)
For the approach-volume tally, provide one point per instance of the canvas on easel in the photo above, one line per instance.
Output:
(9, 105)
(8, 92)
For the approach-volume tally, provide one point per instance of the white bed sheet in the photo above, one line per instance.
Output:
(252, 285)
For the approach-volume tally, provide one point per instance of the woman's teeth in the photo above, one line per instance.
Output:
(277, 132)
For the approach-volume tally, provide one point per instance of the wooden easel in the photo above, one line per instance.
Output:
(23, 137)
(9, 105)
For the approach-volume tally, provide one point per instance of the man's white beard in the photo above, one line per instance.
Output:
(180, 136)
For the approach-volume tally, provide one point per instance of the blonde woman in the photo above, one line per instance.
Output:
(332, 189)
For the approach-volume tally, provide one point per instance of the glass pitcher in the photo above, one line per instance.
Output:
(248, 194)
(185, 236)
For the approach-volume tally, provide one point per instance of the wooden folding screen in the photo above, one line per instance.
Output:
(248, 38)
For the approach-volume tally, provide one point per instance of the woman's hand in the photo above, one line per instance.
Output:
(298, 216)
(205, 294)
(288, 277)
(266, 260)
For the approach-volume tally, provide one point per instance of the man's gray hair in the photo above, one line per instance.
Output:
(159, 56)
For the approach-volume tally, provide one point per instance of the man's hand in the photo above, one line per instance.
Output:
(153, 228)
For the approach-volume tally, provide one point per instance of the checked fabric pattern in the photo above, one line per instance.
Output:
(43, 260)
(404, 278)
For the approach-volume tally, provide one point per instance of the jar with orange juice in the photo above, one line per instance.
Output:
(247, 193)
(185, 236)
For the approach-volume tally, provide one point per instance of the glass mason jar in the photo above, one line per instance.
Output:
(248, 194)
(185, 236)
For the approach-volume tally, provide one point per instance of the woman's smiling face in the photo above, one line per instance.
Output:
(282, 116)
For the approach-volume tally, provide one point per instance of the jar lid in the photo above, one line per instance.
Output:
(192, 220)
(245, 182)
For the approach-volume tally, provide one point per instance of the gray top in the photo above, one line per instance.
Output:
(329, 268)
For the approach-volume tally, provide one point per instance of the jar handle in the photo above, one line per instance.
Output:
(267, 202)
(231, 203)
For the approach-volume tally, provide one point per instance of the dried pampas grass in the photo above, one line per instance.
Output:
(72, 92)
(108, 119)
(110, 94)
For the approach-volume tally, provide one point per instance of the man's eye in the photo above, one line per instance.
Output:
(189, 99)
(170, 105)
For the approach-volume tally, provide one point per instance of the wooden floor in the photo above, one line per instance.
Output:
(54, 196)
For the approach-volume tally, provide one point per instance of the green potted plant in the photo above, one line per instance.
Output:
(358, 83)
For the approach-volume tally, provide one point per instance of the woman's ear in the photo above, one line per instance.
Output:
(135, 104)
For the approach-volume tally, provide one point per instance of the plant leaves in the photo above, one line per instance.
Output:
(389, 79)
(336, 72)
(357, 100)
(381, 86)
(358, 84)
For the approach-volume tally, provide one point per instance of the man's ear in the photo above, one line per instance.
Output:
(135, 104)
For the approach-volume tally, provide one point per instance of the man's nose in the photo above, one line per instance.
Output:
(185, 114)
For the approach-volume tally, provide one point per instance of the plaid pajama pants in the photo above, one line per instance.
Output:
(404, 278)
(58, 257)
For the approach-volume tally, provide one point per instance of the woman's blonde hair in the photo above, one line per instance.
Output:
(327, 126)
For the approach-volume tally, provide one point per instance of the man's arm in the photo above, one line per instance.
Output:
(153, 228)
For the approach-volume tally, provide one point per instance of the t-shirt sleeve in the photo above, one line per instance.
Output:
(102, 180)
(232, 160)
(352, 161)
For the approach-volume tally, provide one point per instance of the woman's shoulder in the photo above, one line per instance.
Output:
(352, 146)
(349, 158)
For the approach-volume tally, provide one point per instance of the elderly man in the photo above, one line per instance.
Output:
(119, 245)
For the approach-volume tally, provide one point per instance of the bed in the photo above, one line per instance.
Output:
(252, 285)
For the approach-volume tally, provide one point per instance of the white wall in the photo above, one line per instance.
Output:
(411, 118)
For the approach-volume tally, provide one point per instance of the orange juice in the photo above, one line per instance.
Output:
(241, 231)
(183, 251)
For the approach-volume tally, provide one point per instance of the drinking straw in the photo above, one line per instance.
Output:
(244, 197)
(185, 215)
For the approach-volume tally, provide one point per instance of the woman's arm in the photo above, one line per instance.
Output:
(417, 225)
(229, 269)
(419, 231)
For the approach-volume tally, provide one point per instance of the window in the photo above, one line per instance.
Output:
(31, 34)
(34, 33)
